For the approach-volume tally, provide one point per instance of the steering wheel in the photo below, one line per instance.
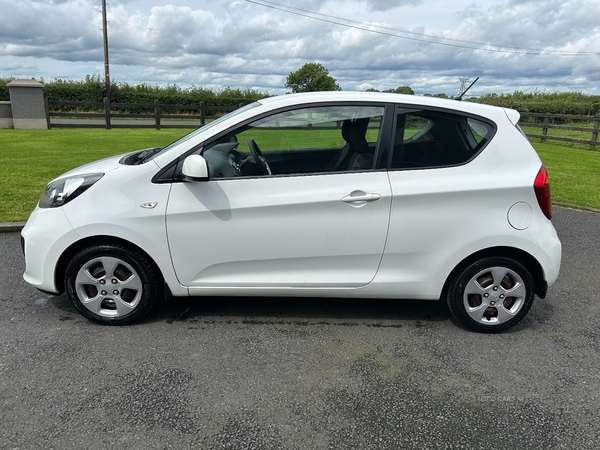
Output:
(261, 162)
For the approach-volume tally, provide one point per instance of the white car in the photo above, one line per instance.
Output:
(353, 195)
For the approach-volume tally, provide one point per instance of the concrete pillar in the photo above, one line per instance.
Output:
(28, 107)
(6, 120)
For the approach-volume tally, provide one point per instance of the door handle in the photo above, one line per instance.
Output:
(361, 198)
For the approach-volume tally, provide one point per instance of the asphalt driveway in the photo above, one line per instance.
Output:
(303, 373)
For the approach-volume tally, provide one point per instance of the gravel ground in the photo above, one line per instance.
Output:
(238, 373)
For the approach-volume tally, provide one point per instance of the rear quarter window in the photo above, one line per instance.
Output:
(431, 139)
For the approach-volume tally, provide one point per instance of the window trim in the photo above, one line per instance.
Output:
(383, 140)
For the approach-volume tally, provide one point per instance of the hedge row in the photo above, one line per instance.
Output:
(553, 103)
(92, 90)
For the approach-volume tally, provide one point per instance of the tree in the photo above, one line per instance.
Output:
(401, 90)
(311, 77)
(440, 95)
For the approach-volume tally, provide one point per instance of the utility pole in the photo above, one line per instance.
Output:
(105, 38)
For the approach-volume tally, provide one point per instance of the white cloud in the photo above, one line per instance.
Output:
(240, 44)
(385, 5)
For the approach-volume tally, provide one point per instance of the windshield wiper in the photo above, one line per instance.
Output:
(143, 156)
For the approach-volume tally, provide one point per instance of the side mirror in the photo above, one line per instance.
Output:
(195, 168)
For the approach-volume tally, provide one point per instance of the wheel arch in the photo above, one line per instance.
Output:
(532, 264)
(76, 247)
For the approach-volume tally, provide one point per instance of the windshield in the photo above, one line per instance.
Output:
(204, 128)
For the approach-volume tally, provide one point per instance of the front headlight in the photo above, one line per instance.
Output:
(62, 191)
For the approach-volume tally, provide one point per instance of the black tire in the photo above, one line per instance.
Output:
(112, 284)
(491, 295)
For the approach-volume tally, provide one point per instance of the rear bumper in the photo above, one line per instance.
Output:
(547, 249)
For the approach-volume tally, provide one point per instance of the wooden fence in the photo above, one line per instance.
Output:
(145, 115)
(547, 122)
(153, 115)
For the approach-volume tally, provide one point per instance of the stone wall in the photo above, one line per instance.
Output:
(6, 119)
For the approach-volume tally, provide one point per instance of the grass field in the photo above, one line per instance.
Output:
(574, 173)
(31, 158)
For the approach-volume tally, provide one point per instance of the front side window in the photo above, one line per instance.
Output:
(318, 139)
(203, 129)
(428, 139)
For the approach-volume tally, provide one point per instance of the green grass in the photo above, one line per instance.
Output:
(282, 138)
(574, 173)
(31, 158)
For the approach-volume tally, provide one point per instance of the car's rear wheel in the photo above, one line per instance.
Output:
(492, 294)
(112, 284)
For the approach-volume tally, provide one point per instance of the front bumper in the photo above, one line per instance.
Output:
(45, 237)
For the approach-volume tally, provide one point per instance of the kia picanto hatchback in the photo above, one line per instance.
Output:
(337, 194)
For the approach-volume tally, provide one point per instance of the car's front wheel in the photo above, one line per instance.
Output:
(492, 294)
(112, 284)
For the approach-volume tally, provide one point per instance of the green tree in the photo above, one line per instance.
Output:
(311, 77)
(401, 90)
(440, 95)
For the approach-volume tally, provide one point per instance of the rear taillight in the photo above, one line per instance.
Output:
(541, 186)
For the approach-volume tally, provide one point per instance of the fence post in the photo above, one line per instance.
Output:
(595, 132)
(544, 129)
(202, 114)
(107, 112)
(157, 114)
(47, 106)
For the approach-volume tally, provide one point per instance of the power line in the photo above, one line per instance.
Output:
(421, 37)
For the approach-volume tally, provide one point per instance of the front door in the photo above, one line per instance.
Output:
(290, 231)
(316, 216)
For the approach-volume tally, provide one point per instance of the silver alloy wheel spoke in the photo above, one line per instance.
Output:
(498, 274)
(133, 282)
(85, 277)
(122, 306)
(109, 265)
(94, 304)
(518, 291)
(473, 287)
(504, 314)
(477, 312)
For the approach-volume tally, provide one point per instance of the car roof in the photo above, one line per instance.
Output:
(433, 102)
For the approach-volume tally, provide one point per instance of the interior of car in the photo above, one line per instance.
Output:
(239, 155)
(435, 139)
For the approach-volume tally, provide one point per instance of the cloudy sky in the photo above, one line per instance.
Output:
(544, 45)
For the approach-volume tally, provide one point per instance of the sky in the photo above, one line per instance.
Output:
(526, 45)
